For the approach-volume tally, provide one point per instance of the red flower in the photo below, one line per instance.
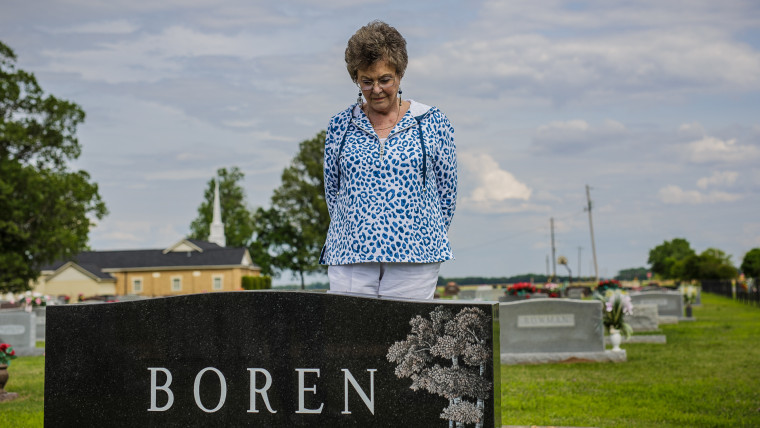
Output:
(521, 288)
(3, 346)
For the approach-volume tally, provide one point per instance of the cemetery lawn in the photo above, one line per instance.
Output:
(26, 377)
(707, 375)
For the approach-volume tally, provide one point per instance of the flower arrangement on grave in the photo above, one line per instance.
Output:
(689, 293)
(521, 289)
(6, 354)
(33, 300)
(552, 289)
(617, 305)
(607, 284)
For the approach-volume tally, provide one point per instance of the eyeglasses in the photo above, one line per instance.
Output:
(384, 82)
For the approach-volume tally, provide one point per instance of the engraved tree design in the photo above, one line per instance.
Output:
(441, 340)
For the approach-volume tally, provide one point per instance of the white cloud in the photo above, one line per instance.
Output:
(675, 195)
(575, 136)
(693, 129)
(495, 190)
(712, 149)
(493, 183)
(639, 61)
(527, 15)
(150, 58)
(120, 26)
(725, 178)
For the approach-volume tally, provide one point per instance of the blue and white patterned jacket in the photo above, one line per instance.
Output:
(391, 201)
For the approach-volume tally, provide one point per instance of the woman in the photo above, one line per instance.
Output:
(390, 178)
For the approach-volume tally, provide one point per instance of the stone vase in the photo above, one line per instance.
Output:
(3, 377)
(616, 339)
(688, 310)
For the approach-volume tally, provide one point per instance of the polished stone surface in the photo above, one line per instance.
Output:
(19, 329)
(669, 303)
(644, 318)
(565, 357)
(41, 313)
(488, 293)
(266, 358)
(551, 325)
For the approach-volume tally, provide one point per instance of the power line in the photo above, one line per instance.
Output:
(516, 234)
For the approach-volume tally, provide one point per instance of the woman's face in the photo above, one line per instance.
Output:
(379, 85)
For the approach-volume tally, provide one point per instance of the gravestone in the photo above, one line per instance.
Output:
(19, 329)
(488, 293)
(644, 318)
(270, 359)
(553, 330)
(577, 292)
(669, 303)
(467, 293)
(41, 313)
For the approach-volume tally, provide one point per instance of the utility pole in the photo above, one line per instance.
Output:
(591, 227)
(554, 251)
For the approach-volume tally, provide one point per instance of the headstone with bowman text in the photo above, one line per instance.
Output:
(19, 329)
(553, 330)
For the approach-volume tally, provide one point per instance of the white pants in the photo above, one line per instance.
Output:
(410, 280)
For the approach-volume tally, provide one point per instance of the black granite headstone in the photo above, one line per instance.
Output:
(273, 359)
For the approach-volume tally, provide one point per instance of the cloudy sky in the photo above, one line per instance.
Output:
(653, 104)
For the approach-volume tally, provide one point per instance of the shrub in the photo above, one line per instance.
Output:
(256, 282)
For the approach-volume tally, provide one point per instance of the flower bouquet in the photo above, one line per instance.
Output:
(521, 289)
(6, 354)
(607, 284)
(616, 306)
(689, 294)
(33, 300)
(552, 289)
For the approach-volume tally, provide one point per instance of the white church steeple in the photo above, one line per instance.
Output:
(217, 227)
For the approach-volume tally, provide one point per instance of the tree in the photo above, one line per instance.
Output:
(237, 218)
(295, 226)
(664, 256)
(45, 208)
(751, 263)
(275, 242)
(710, 264)
(632, 273)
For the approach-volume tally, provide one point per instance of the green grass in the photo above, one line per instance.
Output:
(707, 375)
(26, 377)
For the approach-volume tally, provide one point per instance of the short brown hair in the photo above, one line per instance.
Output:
(374, 42)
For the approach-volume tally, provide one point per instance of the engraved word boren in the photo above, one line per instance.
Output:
(255, 391)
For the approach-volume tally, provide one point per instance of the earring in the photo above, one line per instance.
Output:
(399, 96)
(359, 98)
